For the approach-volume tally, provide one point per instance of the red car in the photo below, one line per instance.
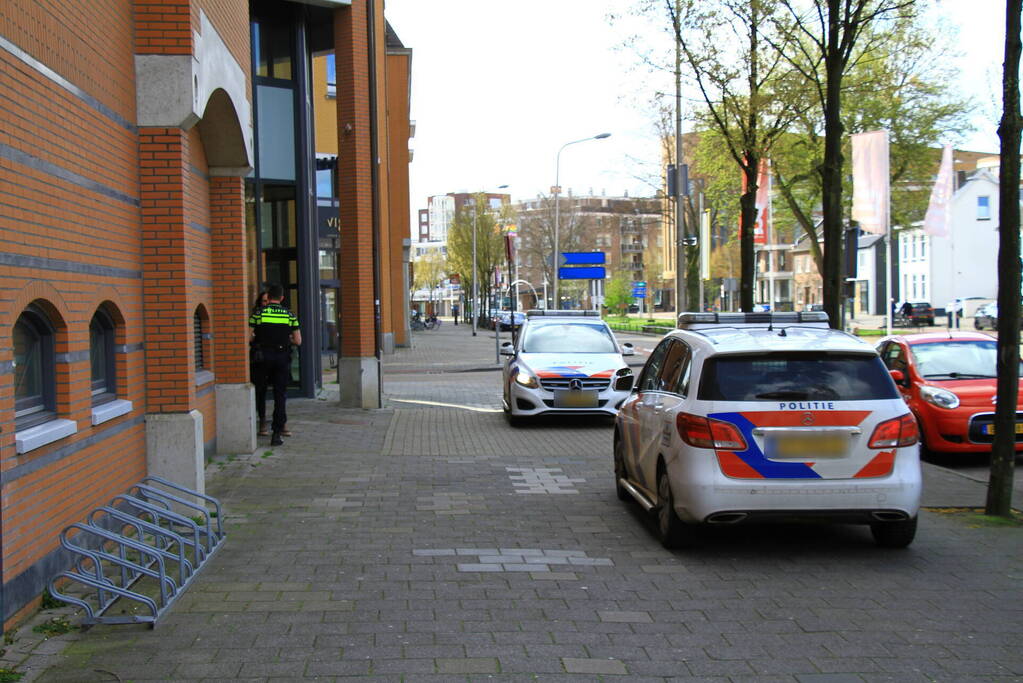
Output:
(948, 381)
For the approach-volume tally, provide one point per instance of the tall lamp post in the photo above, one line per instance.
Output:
(475, 279)
(557, 213)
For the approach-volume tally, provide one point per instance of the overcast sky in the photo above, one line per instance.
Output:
(499, 87)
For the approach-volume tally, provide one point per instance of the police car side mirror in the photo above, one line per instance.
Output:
(628, 350)
(507, 349)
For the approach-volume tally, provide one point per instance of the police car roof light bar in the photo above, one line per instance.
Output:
(690, 320)
(535, 313)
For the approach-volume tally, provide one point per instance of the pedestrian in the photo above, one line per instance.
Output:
(257, 370)
(454, 312)
(274, 330)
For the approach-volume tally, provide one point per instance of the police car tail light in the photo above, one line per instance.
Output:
(895, 433)
(702, 432)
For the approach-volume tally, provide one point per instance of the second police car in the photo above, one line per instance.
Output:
(751, 417)
(564, 362)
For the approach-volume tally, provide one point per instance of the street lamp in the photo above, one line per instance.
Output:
(557, 213)
(475, 279)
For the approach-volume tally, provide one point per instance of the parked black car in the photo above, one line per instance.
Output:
(917, 313)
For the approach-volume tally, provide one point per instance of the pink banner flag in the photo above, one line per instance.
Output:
(938, 219)
(763, 202)
(870, 181)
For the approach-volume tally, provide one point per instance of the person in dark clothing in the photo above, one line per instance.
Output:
(274, 330)
(454, 312)
(256, 369)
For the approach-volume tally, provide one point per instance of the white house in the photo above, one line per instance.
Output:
(963, 263)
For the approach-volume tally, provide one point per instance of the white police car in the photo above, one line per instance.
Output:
(566, 362)
(767, 416)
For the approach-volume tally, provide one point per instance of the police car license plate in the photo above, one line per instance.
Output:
(586, 398)
(989, 429)
(808, 447)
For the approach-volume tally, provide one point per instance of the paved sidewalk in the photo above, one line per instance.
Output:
(429, 541)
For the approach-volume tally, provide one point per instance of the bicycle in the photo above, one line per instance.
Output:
(416, 324)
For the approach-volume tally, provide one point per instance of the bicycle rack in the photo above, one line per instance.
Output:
(137, 536)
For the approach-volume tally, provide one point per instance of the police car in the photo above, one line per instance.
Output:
(564, 362)
(742, 417)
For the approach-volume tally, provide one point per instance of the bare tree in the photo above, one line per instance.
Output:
(825, 37)
(1003, 453)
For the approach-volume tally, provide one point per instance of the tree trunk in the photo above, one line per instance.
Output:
(748, 207)
(831, 170)
(804, 222)
(1003, 452)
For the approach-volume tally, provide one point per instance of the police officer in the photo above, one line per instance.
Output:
(274, 329)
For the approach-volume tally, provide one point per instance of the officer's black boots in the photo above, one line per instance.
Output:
(276, 439)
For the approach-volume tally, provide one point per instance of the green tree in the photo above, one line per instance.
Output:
(826, 35)
(900, 81)
(428, 272)
(736, 58)
(618, 293)
(483, 220)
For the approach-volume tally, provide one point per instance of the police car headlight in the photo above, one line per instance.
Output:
(525, 379)
(939, 397)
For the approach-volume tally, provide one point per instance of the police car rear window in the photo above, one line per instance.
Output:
(796, 377)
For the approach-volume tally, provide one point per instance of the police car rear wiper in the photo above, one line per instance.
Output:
(783, 394)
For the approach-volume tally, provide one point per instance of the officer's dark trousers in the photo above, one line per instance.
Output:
(257, 372)
(277, 372)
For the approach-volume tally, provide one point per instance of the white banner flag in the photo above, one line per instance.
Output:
(938, 219)
(870, 181)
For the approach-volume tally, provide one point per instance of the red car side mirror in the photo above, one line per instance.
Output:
(898, 376)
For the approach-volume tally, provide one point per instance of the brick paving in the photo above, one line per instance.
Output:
(397, 545)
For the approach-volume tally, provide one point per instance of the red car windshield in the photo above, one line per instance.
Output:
(968, 359)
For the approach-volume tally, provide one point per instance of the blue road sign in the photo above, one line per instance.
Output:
(639, 293)
(582, 273)
(582, 258)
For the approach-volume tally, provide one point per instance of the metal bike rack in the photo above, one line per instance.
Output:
(140, 535)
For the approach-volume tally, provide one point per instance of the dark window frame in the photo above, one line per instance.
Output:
(198, 339)
(30, 411)
(103, 389)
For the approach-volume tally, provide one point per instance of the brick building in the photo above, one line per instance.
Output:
(146, 192)
(627, 229)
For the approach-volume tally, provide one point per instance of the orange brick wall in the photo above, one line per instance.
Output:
(69, 241)
(354, 169)
(163, 27)
(398, 188)
(230, 294)
(98, 212)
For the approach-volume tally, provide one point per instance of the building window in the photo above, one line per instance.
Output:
(272, 48)
(984, 208)
(101, 358)
(923, 248)
(331, 77)
(197, 341)
(34, 363)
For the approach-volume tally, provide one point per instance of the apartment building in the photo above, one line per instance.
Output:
(627, 230)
